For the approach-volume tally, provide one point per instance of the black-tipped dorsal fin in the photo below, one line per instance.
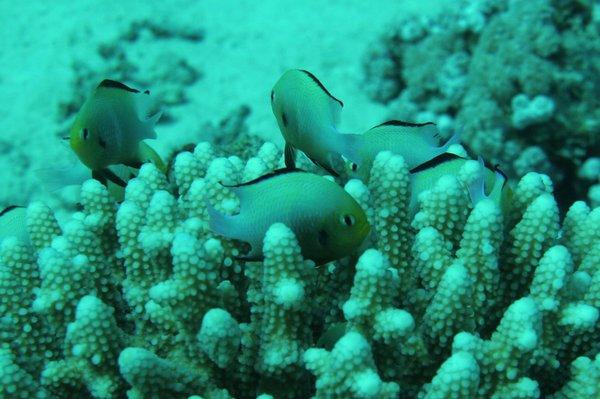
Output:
(113, 84)
(432, 163)
(275, 173)
(402, 123)
(318, 82)
(497, 169)
(9, 209)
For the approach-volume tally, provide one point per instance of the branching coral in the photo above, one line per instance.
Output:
(461, 300)
(519, 78)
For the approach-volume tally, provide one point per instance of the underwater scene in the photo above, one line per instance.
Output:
(280, 199)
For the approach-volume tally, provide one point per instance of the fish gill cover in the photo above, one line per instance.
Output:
(141, 300)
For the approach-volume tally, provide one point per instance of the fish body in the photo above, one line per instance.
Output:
(307, 115)
(110, 127)
(13, 223)
(328, 223)
(415, 142)
(493, 184)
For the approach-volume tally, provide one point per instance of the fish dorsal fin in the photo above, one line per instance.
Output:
(395, 122)
(247, 192)
(275, 173)
(428, 130)
(432, 163)
(9, 208)
(318, 82)
(113, 84)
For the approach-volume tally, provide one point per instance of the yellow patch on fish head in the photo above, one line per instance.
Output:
(86, 143)
(344, 230)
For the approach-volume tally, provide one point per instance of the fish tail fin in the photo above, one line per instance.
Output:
(454, 139)
(220, 223)
(143, 105)
(54, 179)
(150, 123)
(350, 145)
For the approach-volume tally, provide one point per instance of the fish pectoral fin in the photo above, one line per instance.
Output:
(290, 156)
(147, 154)
(328, 168)
(104, 175)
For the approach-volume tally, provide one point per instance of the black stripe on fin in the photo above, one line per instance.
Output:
(327, 168)
(9, 208)
(314, 78)
(497, 169)
(440, 159)
(104, 175)
(113, 84)
(277, 172)
(402, 123)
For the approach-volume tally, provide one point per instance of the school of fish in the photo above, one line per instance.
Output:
(108, 136)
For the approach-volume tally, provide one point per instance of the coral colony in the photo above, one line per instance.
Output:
(141, 299)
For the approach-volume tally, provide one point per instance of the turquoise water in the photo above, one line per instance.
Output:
(415, 269)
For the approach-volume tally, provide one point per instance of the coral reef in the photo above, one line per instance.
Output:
(519, 78)
(142, 300)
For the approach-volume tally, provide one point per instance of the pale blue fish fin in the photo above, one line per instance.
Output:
(13, 223)
(477, 186)
(53, 179)
(229, 226)
(454, 139)
(350, 145)
(150, 123)
(142, 104)
(219, 223)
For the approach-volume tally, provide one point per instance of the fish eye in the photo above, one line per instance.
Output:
(85, 133)
(354, 167)
(272, 95)
(348, 220)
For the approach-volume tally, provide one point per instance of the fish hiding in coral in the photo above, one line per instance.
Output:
(307, 115)
(416, 142)
(492, 184)
(327, 221)
(110, 129)
(12, 223)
